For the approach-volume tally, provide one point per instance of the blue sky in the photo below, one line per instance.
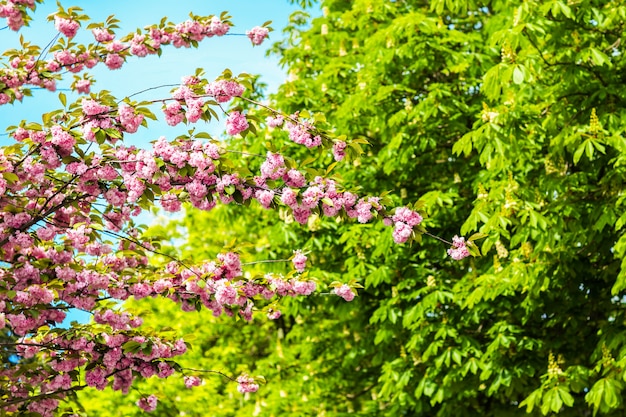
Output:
(214, 55)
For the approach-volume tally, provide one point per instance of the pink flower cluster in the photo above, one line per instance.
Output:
(14, 11)
(459, 249)
(192, 381)
(404, 220)
(275, 121)
(236, 123)
(148, 404)
(344, 291)
(339, 150)
(246, 384)
(123, 352)
(258, 34)
(293, 287)
(82, 86)
(301, 134)
(102, 35)
(25, 70)
(189, 106)
(67, 27)
(299, 261)
(224, 90)
(119, 357)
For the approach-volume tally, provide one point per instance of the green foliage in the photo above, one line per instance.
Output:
(503, 118)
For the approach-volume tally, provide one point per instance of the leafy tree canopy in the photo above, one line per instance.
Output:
(503, 118)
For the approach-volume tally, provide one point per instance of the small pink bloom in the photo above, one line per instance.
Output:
(275, 121)
(299, 261)
(224, 90)
(173, 113)
(66, 26)
(102, 35)
(402, 232)
(257, 34)
(148, 404)
(273, 314)
(236, 123)
(83, 86)
(217, 27)
(192, 381)
(344, 292)
(114, 61)
(339, 150)
(459, 249)
(246, 384)
(265, 197)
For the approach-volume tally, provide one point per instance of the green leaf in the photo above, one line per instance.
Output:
(477, 236)
(579, 152)
(518, 74)
(599, 58)
(566, 397)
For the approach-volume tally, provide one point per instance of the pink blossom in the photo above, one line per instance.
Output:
(148, 404)
(66, 26)
(303, 287)
(301, 215)
(50, 84)
(273, 314)
(96, 377)
(299, 261)
(311, 197)
(363, 211)
(257, 34)
(217, 27)
(265, 197)
(138, 47)
(62, 139)
(116, 46)
(275, 121)
(64, 57)
(113, 61)
(459, 249)
(192, 381)
(224, 90)
(300, 133)
(246, 384)
(83, 86)
(127, 117)
(173, 113)
(190, 80)
(401, 232)
(92, 107)
(344, 292)
(53, 66)
(194, 109)
(236, 123)
(410, 217)
(294, 178)
(273, 167)
(165, 370)
(289, 198)
(102, 35)
(225, 294)
(339, 150)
